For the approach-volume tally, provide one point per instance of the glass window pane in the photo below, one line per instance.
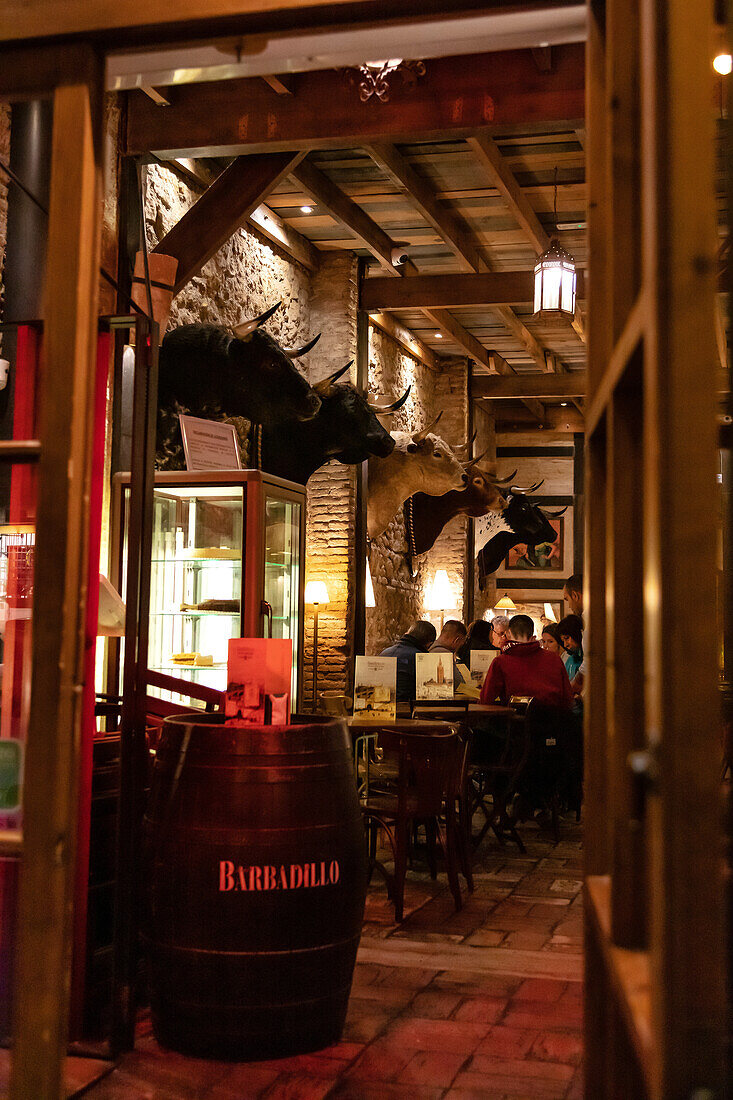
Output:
(282, 571)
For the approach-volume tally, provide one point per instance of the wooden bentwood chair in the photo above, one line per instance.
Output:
(425, 764)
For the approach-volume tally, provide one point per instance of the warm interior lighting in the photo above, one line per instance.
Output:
(554, 281)
(505, 604)
(306, 209)
(723, 64)
(440, 596)
(563, 404)
(549, 613)
(316, 592)
(438, 335)
(369, 600)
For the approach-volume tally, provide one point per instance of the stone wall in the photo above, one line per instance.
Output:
(399, 597)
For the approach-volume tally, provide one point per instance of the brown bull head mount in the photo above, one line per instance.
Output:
(384, 406)
(246, 328)
(295, 353)
(323, 387)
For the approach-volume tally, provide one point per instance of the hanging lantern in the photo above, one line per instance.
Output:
(554, 282)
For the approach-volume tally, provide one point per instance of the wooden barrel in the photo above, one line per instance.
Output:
(256, 868)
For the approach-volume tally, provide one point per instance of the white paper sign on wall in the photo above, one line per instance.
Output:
(209, 444)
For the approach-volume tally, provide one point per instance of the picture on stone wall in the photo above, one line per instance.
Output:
(547, 556)
(433, 676)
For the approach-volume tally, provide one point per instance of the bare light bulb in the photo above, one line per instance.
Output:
(723, 64)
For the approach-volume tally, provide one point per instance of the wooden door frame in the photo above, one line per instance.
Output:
(655, 1010)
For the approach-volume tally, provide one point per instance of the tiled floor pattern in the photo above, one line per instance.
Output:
(484, 1003)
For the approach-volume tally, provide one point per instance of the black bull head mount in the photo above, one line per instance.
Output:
(521, 521)
(218, 373)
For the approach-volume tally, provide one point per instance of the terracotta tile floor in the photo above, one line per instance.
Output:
(486, 1002)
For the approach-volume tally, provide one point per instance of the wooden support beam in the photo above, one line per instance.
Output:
(266, 222)
(457, 96)
(489, 288)
(280, 83)
(365, 229)
(406, 339)
(52, 761)
(553, 420)
(421, 194)
(157, 97)
(522, 334)
(518, 386)
(465, 339)
(492, 160)
(221, 209)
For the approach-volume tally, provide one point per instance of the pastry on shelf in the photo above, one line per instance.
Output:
(184, 658)
(203, 660)
(223, 552)
(230, 606)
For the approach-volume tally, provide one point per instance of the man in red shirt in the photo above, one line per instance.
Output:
(525, 668)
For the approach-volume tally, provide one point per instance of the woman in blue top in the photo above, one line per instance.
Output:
(570, 630)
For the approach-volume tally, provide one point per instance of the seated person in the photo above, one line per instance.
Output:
(450, 640)
(525, 668)
(418, 639)
(570, 630)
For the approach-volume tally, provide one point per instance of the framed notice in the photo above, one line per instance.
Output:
(433, 676)
(481, 663)
(258, 681)
(375, 688)
(209, 444)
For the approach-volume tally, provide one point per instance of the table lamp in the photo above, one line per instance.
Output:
(505, 606)
(317, 594)
(441, 597)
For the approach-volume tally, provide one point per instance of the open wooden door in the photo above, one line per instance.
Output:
(655, 1013)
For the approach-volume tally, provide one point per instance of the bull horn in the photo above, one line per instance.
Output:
(245, 327)
(505, 480)
(325, 384)
(467, 446)
(527, 488)
(419, 436)
(556, 515)
(475, 461)
(377, 407)
(295, 353)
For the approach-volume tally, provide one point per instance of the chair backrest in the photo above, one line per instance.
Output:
(157, 709)
(426, 761)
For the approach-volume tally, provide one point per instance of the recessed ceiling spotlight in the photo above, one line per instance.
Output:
(438, 335)
(306, 209)
(563, 404)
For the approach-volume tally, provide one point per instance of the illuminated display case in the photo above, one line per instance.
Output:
(227, 562)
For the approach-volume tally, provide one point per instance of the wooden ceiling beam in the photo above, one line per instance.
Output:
(489, 288)
(492, 160)
(457, 96)
(406, 339)
(267, 224)
(456, 234)
(222, 208)
(365, 229)
(518, 386)
(554, 420)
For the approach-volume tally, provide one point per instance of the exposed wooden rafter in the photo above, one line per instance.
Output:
(231, 117)
(222, 208)
(518, 386)
(489, 288)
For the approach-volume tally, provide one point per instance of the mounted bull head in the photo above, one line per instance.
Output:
(426, 517)
(215, 373)
(421, 462)
(520, 521)
(345, 428)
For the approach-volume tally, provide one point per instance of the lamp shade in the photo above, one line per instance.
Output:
(440, 596)
(550, 613)
(369, 600)
(554, 282)
(316, 592)
(505, 604)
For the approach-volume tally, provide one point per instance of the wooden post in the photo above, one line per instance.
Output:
(52, 761)
(361, 546)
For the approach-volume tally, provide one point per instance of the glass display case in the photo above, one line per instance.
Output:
(227, 562)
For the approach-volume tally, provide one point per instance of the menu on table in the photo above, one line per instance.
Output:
(433, 676)
(375, 688)
(481, 663)
(258, 681)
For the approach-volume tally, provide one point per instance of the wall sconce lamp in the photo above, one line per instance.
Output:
(316, 593)
(441, 596)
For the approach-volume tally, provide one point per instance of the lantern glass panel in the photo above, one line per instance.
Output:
(538, 288)
(568, 289)
(551, 286)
